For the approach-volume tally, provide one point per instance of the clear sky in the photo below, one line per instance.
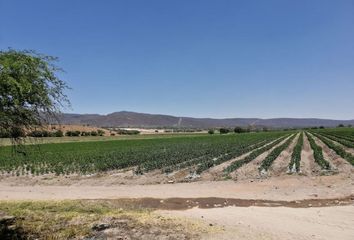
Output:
(218, 58)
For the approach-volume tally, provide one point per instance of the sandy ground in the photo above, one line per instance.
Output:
(308, 166)
(275, 223)
(279, 188)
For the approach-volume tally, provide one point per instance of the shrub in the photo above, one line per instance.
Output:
(100, 132)
(4, 134)
(41, 133)
(239, 130)
(224, 130)
(127, 132)
(35, 133)
(72, 133)
(94, 133)
(211, 131)
(59, 133)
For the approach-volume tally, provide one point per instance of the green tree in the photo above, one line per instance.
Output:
(211, 131)
(31, 93)
(239, 130)
(224, 130)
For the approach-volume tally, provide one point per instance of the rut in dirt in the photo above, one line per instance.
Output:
(214, 202)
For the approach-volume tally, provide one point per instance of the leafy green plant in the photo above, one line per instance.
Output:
(237, 164)
(267, 162)
(296, 155)
(338, 149)
(317, 153)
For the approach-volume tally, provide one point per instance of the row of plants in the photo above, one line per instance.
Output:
(233, 153)
(238, 130)
(348, 138)
(318, 154)
(239, 163)
(127, 132)
(338, 149)
(234, 146)
(267, 162)
(57, 133)
(294, 165)
(340, 140)
(44, 133)
(347, 133)
(76, 133)
(99, 156)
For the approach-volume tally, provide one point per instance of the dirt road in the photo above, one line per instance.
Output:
(284, 207)
(283, 223)
(280, 188)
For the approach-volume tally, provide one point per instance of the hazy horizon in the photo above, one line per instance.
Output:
(213, 59)
(227, 117)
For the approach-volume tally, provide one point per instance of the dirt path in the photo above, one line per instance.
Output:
(275, 223)
(250, 170)
(280, 165)
(280, 188)
(308, 166)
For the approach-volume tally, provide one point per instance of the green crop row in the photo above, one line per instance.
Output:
(267, 162)
(317, 153)
(239, 163)
(338, 149)
(234, 153)
(146, 154)
(340, 140)
(296, 155)
(341, 136)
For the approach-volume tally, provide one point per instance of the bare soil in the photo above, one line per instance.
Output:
(288, 187)
(280, 165)
(308, 166)
(253, 223)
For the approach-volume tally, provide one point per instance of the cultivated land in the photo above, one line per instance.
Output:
(242, 186)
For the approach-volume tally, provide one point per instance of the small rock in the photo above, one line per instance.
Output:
(100, 226)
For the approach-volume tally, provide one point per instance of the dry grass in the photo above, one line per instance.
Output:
(76, 218)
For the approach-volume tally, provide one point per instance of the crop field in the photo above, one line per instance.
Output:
(197, 154)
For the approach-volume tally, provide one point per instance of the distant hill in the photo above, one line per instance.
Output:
(133, 119)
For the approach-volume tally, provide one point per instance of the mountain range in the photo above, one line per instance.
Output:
(144, 120)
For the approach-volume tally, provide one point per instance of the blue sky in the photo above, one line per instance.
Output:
(195, 58)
